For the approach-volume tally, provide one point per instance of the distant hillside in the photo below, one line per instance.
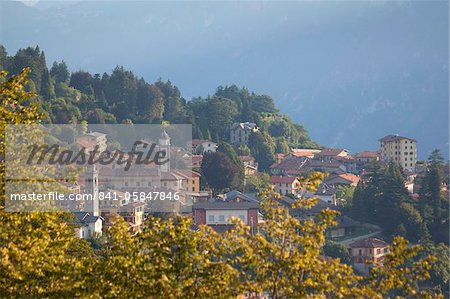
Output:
(350, 71)
(122, 97)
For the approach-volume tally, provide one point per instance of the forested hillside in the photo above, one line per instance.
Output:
(123, 97)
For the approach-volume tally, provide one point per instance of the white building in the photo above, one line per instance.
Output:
(285, 185)
(88, 226)
(398, 149)
(240, 132)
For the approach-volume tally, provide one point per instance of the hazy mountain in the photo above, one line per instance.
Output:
(350, 72)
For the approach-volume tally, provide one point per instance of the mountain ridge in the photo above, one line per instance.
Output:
(351, 73)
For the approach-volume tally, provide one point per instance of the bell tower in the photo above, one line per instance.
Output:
(164, 145)
(91, 187)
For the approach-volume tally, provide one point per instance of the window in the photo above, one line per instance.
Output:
(406, 153)
(411, 153)
(411, 147)
(126, 184)
(242, 217)
(221, 218)
(360, 252)
(149, 184)
(406, 159)
(378, 251)
(406, 147)
(211, 218)
(370, 250)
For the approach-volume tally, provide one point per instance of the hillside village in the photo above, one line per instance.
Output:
(344, 171)
(239, 154)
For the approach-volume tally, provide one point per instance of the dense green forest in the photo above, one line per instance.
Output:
(123, 97)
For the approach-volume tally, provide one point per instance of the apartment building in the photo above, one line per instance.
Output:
(399, 149)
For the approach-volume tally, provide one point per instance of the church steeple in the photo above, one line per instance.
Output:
(91, 187)
(164, 145)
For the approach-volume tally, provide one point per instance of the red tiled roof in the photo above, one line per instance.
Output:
(282, 179)
(369, 243)
(188, 173)
(300, 152)
(350, 177)
(331, 151)
(367, 154)
(290, 163)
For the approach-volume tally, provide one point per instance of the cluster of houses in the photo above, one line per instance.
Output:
(343, 170)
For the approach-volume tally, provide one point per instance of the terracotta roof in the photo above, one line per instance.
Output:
(188, 173)
(331, 151)
(391, 137)
(282, 179)
(350, 177)
(367, 154)
(300, 152)
(369, 243)
(290, 163)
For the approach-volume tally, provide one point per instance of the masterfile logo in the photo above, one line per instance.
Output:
(127, 162)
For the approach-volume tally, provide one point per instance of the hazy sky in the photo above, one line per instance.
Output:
(351, 71)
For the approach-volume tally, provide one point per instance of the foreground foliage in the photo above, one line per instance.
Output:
(40, 257)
